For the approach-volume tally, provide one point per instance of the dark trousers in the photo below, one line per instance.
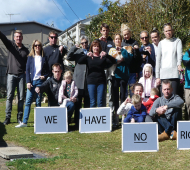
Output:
(116, 84)
(168, 125)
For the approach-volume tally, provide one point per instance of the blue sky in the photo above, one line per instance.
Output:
(45, 11)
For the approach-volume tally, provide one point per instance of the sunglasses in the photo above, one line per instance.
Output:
(37, 45)
(84, 42)
(53, 37)
(144, 38)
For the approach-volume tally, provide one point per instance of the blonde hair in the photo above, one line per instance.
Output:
(18, 31)
(68, 74)
(136, 99)
(154, 91)
(125, 27)
(149, 68)
(32, 52)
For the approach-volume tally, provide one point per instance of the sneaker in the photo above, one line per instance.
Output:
(163, 136)
(7, 121)
(21, 125)
(173, 135)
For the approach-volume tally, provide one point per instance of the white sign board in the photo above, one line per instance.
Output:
(94, 120)
(140, 137)
(183, 135)
(50, 120)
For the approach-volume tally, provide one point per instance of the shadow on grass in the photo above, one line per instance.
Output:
(2, 133)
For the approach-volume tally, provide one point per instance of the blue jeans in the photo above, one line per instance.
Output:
(14, 81)
(70, 109)
(29, 97)
(168, 125)
(132, 80)
(96, 92)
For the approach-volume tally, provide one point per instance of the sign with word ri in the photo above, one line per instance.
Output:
(50, 120)
(140, 137)
(183, 135)
(94, 120)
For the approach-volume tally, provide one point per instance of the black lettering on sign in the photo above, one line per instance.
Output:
(185, 134)
(87, 120)
(93, 120)
(141, 137)
(103, 119)
(49, 119)
(99, 119)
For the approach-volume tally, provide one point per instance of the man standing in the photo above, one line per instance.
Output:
(51, 87)
(167, 111)
(155, 37)
(16, 67)
(53, 52)
(147, 51)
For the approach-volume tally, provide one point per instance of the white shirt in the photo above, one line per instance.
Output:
(37, 67)
(155, 49)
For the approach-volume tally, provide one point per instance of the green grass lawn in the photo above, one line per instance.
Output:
(87, 151)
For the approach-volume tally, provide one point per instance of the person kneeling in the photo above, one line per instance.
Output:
(167, 111)
(137, 113)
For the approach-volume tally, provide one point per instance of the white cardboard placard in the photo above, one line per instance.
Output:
(140, 137)
(50, 120)
(95, 120)
(183, 135)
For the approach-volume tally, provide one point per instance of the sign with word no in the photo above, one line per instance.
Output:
(50, 120)
(95, 120)
(140, 137)
(183, 135)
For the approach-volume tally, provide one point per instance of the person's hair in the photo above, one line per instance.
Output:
(68, 74)
(167, 82)
(119, 36)
(136, 85)
(53, 32)
(18, 31)
(32, 52)
(154, 91)
(125, 27)
(150, 69)
(104, 25)
(145, 32)
(56, 65)
(155, 30)
(136, 99)
(95, 42)
(83, 37)
(168, 24)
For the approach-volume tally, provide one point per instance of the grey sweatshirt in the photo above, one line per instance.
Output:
(173, 102)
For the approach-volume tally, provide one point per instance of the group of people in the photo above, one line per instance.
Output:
(145, 79)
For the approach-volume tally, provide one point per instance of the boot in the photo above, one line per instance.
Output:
(163, 136)
(7, 121)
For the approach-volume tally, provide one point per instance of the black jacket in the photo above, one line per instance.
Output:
(107, 45)
(17, 57)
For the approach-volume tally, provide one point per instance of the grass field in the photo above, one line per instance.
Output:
(86, 151)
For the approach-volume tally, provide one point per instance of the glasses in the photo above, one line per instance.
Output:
(144, 38)
(53, 37)
(84, 43)
(37, 45)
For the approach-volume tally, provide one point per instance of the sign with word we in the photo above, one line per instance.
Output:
(140, 137)
(50, 120)
(183, 135)
(94, 120)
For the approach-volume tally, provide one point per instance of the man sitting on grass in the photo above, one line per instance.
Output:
(167, 111)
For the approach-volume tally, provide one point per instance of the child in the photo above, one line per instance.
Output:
(154, 95)
(137, 113)
(148, 81)
(68, 90)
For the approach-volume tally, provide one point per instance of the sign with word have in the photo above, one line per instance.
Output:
(94, 120)
(183, 135)
(140, 137)
(50, 120)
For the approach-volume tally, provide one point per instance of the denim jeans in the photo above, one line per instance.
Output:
(29, 97)
(96, 92)
(132, 80)
(70, 109)
(168, 125)
(14, 81)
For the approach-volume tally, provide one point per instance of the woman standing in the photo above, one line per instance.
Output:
(96, 79)
(169, 57)
(36, 73)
